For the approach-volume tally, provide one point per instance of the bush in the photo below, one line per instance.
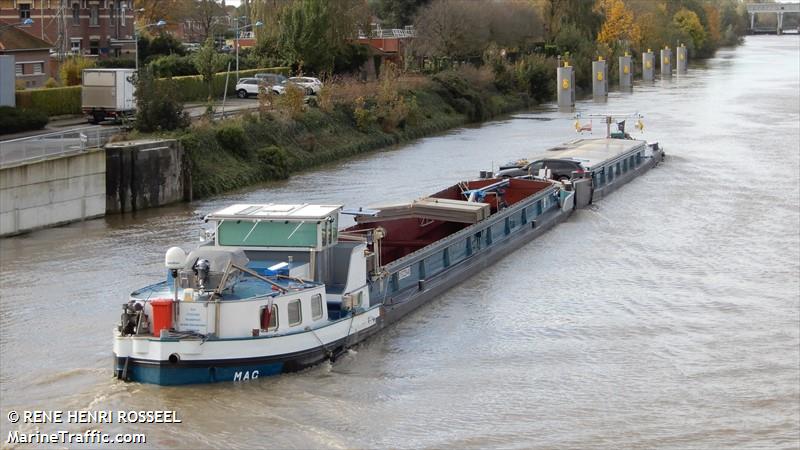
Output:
(292, 101)
(157, 108)
(14, 120)
(231, 138)
(71, 71)
(535, 74)
(116, 63)
(51, 83)
(173, 66)
(274, 162)
(53, 101)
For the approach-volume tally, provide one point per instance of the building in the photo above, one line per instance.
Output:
(385, 45)
(31, 56)
(92, 28)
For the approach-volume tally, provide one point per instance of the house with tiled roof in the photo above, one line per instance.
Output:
(31, 55)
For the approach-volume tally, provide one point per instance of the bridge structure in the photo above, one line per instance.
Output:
(770, 8)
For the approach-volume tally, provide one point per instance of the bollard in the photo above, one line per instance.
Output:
(666, 62)
(565, 76)
(599, 79)
(648, 65)
(682, 56)
(626, 72)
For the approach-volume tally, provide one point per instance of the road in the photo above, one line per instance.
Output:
(195, 110)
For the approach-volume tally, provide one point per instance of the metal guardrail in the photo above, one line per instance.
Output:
(43, 146)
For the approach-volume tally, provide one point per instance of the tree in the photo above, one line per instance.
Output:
(204, 13)
(157, 105)
(314, 32)
(688, 22)
(618, 25)
(208, 62)
(452, 29)
(396, 13)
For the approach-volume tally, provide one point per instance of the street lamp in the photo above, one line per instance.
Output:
(258, 24)
(159, 24)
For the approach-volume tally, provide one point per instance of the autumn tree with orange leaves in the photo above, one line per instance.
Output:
(619, 24)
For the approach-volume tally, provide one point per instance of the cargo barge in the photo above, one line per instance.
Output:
(278, 288)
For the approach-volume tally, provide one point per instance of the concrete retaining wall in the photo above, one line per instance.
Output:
(145, 174)
(52, 192)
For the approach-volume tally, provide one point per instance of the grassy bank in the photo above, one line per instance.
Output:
(273, 144)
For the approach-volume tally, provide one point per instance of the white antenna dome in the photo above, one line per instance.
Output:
(175, 258)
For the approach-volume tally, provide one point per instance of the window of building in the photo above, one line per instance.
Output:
(38, 68)
(75, 46)
(293, 311)
(316, 306)
(24, 10)
(19, 70)
(269, 322)
(122, 8)
(112, 11)
(94, 47)
(94, 16)
(76, 14)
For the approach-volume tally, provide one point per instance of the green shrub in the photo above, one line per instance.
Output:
(14, 120)
(231, 138)
(52, 101)
(116, 63)
(157, 108)
(173, 66)
(274, 162)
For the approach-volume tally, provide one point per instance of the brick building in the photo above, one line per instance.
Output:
(93, 28)
(31, 56)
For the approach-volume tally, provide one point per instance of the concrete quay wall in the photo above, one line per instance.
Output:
(52, 192)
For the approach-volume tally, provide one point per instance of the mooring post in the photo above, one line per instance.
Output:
(566, 85)
(666, 62)
(648, 65)
(625, 72)
(599, 79)
(682, 56)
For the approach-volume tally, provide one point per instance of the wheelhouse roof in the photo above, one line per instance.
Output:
(274, 211)
(594, 152)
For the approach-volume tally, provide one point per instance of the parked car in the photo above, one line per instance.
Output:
(191, 46)
(248, 86)
(226, 49)
(310, 85)
(271, 79)
(560, 169)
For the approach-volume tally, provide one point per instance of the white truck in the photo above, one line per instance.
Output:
(107, 94)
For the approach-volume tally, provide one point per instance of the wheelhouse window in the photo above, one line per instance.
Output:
(316, 307)
(24, 10)
(269, 319)
(294, 313)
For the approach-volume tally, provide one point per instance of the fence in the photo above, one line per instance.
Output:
(48, 145)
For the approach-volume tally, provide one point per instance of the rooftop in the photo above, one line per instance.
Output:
(15, 39)
(273, 211)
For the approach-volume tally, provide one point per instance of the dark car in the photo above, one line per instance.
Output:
(560, 169)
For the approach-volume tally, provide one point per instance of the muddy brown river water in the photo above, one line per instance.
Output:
(666, 315)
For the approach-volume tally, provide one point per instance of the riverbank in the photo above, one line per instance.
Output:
(275, 143)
